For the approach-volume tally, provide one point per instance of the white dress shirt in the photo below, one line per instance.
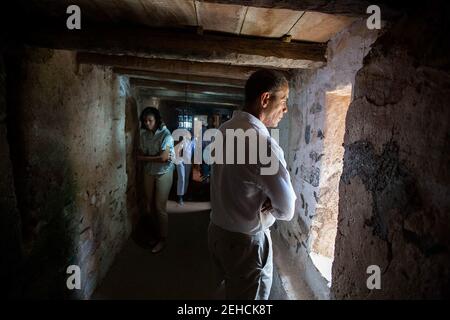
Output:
(238, 191)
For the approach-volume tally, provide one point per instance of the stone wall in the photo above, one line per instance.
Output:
(9, 214)
(69, 150)
(394, 192)
(312, 137)
(132, 126)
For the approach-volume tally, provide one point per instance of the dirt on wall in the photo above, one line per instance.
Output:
(318, 101)
(68, 145)
(314, 147)
(394, 204)
(132, 138)
(9, 214)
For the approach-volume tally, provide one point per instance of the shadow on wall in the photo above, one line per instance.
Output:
(44, 200)
(317, 169)
(320, 99)
(394, 212)
(134, 192)
(9, 218)
(67, 144)
(325, 214)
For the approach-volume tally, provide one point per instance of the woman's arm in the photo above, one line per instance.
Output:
(163, 157)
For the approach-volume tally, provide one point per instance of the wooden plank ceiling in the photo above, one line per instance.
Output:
(228, 18)
(241, 20)
(210, 66)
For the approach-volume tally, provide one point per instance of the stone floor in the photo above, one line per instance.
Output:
(181, 271)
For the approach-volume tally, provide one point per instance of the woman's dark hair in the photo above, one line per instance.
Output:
(151, 111)
(263, 80)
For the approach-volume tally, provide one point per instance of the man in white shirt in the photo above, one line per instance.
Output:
(245, 200)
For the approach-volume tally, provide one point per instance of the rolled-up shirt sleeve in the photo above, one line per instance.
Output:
(279, 190)
(167, 142)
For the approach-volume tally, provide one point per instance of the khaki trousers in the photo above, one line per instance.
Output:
(244, 261)
(156, 191)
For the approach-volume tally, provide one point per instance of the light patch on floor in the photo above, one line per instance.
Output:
(187, 207)
(323, 264)
(289, 273)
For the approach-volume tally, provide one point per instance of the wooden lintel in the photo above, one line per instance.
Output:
(181, 45)
(184, 96)
(181, 78)
(187, 87)
(194, 102)
(165, 65)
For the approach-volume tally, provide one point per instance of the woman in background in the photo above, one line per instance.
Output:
(184, 149)
(156, 152)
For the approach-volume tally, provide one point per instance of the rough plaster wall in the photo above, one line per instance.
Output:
(307, 125)
(324, 223)
(145, 101)
(395, 204)
(9, 214)
(132, 137)
(317, 187)
(283, 127)
(73, 186)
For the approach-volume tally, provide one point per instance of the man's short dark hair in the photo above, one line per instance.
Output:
(263, 80)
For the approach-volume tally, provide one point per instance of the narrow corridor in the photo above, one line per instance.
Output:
(182, 271)
(353, 97)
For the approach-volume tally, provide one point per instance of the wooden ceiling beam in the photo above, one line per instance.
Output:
(195, 102)
(187, 87)
(166, 65)
(181, 45)
(189, 96)
(180, 78)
